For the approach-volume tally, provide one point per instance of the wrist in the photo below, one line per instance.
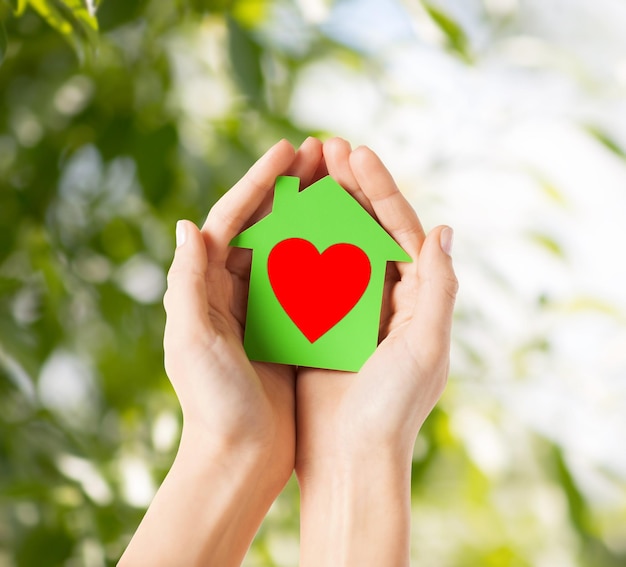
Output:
(356, 511)
(340, 461)
(206, 511)
(379, 470)
(198, 447)
(264, 465)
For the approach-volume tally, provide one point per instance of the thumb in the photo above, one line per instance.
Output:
(431, 323)
(186, 298)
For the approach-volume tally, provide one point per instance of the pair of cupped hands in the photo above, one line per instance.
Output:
(297, 416)
(271, 418)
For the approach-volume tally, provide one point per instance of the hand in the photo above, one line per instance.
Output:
(225, 399)
(360, 428)
(238, 442)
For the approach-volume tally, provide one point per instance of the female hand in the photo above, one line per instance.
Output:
(227, 401)
(238, 441)
(356, 431)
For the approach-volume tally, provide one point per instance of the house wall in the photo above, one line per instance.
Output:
(270, 334)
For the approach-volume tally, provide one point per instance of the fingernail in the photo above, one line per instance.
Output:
(446, 238)
(181, 233)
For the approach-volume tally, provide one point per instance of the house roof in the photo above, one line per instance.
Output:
(325, 214)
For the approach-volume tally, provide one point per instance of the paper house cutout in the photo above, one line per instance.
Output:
(317, 277)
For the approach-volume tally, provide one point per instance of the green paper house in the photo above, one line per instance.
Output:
(317, 277)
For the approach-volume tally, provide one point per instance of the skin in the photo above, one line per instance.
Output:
(356, 431)
(247, 425)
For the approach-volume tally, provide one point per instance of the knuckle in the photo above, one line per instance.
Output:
(175, 272)
(221, 215)
(180, 283)
(179, 273)
(451, 286)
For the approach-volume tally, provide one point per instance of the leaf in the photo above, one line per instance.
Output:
(457, 40)
(55, 540)
(249, 12)
(588, 303)
(607, 141)
(18, 6)
(245, 56)
(72, 19)
(67, 16)
(553, 193)
(80, 11)
(548, 243)
(49, 12)
(3, 42)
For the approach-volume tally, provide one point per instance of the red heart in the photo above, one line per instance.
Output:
(317, 290)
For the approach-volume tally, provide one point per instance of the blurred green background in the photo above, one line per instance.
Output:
(504, 118)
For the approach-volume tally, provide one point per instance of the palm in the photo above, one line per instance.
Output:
(242, 399)
(255, 398)
(339, 410)
(340, 405)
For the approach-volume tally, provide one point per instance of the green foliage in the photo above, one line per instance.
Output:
(93, 176)
(245, 55)
(101, 151)
(455, 35)
(3, 42)
(607, 141)
(71, 18)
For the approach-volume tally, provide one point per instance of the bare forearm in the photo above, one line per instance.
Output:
(356, 514)
(206, 512)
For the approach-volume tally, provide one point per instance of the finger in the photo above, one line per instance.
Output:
(320, 172)
(307, 161)
(234, 209)
(429, 329)
(337, 157)
(185, 300)
(393, 211)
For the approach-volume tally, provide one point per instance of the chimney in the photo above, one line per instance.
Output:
(285, 190)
